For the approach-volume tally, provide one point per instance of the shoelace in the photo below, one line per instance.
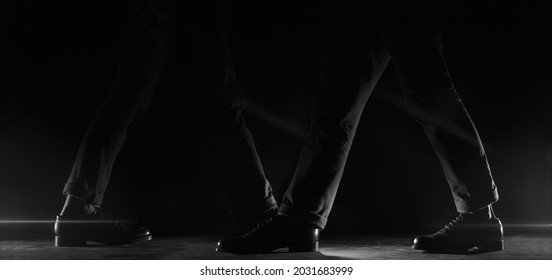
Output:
(459, 217)
(262, 223)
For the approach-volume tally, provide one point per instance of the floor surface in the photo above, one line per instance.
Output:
(529, 246)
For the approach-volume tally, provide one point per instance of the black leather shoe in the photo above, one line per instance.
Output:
(466, 233)
(273, 233)
(76, 231)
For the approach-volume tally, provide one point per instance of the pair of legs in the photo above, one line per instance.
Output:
(367, 36)
(159, 30)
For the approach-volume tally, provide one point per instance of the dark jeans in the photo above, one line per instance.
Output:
(186, 33)
(368, 35)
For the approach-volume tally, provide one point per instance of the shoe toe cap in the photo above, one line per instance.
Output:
(419, 242)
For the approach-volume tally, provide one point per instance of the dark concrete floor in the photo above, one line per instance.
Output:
(528, 246)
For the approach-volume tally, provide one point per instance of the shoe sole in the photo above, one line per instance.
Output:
(475, 249)
(64, 241)
(311, 247)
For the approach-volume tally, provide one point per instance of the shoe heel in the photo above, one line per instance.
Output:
(305, 240)
(61, 241)
(304, 247)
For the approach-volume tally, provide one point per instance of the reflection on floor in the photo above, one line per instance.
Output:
(517, 247)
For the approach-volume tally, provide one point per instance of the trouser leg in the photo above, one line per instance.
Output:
(249, 192)
(411, 34)
(186, 33)
(354, 62)
(140, 63)
(194, 32)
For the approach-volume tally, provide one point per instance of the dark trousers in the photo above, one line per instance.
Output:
(159, 30)
(368, 35)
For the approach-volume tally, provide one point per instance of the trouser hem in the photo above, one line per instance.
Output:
(76, 190)
(303, 217)
(472, 205)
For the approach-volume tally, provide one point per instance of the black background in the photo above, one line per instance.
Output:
(57, 59)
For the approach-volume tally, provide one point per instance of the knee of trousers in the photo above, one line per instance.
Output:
(333, 126)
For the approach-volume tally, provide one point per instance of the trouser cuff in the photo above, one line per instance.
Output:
(472, 205)
(303, 217)
(77, 190)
